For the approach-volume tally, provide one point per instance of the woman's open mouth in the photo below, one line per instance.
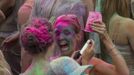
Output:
(64, 46)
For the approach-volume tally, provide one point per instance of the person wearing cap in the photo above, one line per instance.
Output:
(68, 66)
(67, 35)
(37, 40)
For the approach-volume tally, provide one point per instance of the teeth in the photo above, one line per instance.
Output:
(63, 45)
(65, 49)
(63, 42)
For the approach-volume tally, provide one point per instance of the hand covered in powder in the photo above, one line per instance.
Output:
(93, 17)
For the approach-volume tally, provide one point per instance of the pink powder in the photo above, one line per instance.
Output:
(39, 30)
(64, 24)
(93, 17)
(68, 19)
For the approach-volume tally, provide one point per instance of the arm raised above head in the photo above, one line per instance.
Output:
(25, 12)
(118, 61)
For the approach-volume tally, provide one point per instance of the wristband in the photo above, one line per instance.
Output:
(115, 53)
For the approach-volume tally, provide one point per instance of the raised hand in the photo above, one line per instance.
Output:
(88, 53)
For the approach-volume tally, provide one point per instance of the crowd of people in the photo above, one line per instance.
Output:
(45, 37)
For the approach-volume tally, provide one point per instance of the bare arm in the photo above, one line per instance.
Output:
(118, 61)
(24, 13)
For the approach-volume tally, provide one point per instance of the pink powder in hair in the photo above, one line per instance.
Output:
(64, 24)
(93, 17)
(39, 30)
(69, 19)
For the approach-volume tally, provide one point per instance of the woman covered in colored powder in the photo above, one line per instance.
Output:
(37, 40)
(54, 8)
(67, 35)
(47, 9)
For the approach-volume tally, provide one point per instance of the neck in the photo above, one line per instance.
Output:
(39, 58)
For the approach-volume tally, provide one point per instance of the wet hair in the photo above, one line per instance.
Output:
(121, 7)
(37, 37)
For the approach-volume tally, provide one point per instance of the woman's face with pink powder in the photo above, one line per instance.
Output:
(64, 35)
